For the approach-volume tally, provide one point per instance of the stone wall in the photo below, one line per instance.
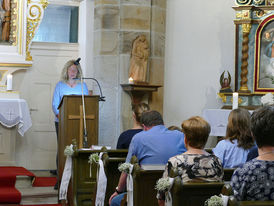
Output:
(117, 23)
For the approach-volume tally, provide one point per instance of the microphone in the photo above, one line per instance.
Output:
(101, 98)
(77, 62)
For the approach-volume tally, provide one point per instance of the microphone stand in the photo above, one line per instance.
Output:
(101, 98)
(85, 142)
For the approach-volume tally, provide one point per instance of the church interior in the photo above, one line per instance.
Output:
(181, 58)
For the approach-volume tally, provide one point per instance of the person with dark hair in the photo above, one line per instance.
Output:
(69, 84)
(126, 136)
(173, 127)
(234, 149)
(254, 180)
(195, 164)
(155, 145)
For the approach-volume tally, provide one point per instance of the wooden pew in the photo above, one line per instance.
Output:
(193, 193)
(112, 159)
(228, 172)
(83, 187)
(233, 202)
(144, 181)
(227, 190)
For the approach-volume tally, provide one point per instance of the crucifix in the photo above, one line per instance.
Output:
(82, 117)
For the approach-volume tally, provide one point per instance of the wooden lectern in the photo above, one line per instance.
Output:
(71, 124)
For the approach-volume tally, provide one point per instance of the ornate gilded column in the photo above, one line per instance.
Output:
(246, 27)
(35, 14)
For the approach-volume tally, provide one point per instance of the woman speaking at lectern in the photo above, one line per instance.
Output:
(70, 83)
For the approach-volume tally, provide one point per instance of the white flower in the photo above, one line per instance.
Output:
(93, 158)
(125, 167)
(214, 201)
(267, 99)
(163, 184)
(68, 150)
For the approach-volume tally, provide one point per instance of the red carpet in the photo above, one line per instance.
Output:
(8, 193)
(41, 205)
(44, 181)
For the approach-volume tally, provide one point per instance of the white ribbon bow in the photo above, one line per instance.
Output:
(130, 187)
(225, 199)
(168, 201)
(65, 178)
(101, 183)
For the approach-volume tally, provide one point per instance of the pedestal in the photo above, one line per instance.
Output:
(7, 146)
(138, 91)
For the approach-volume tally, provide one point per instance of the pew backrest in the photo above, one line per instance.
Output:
(228, 172)
(193, 193)
(232, 201)
(111, 161)
(84, 176)
(144, 181)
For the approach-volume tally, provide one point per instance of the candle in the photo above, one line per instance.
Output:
(130, 80)
(235, 100)
(9, 82)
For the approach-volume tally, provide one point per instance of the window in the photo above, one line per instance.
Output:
(59, 24)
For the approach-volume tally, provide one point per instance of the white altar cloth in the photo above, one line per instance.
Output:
(217, 118)
(15, 112)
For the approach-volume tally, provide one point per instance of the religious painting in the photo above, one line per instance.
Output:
(264, 56)
(5, 19)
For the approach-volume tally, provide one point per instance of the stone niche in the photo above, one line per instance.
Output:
(117, 23)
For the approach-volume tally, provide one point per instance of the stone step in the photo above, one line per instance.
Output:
(38, 195)
(26, 181)
(23, 182)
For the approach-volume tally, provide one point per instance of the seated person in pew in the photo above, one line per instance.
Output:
(155, 145)
(195, 164)
(173, 127)
(126, 136)
(255, 179)
(234, 149)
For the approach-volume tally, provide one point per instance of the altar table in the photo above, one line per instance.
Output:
(218, 119)
(15, 112)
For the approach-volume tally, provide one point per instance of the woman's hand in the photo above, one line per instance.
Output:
(161, 202)
(111, 197)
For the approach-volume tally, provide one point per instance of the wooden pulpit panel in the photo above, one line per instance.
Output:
(70, 120)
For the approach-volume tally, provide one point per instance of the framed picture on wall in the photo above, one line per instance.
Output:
(264, 56)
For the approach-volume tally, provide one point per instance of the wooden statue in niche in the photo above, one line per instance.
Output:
(139, 58)
(5, 20)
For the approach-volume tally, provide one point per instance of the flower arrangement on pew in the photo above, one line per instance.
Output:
(68, 150)
(163, 184)
(214, 201)
(125, 167)
(93, 158)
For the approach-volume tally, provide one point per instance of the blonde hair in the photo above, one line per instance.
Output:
(68, 64)
(138, 109)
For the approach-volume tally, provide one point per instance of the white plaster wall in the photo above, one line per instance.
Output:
(199, 47)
